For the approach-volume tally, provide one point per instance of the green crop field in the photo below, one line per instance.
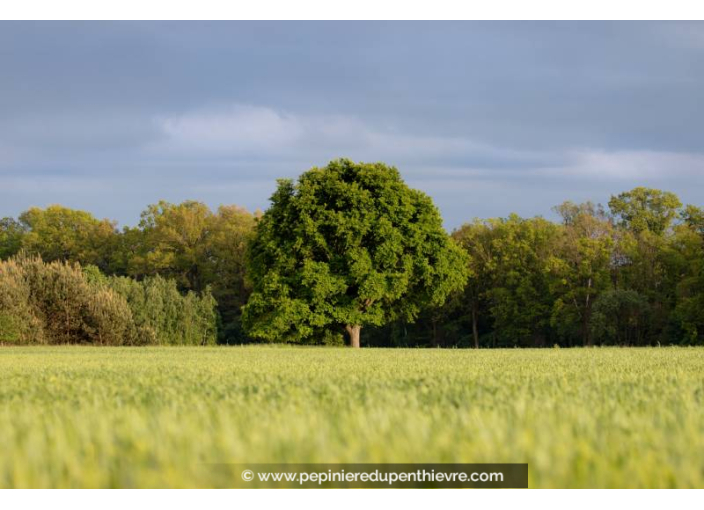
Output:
(164, 416)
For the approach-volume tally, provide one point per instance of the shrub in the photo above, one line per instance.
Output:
(18, 321)
(164, 316)
(54, 303)
(59, 302)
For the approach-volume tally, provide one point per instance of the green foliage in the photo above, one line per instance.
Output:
(58, 302)
(178, 417)
(581, 268)
(185, 242)
(351, 245)
(511, 269)
(163, 316)
(11, 233)
(477, 240)
(54, 303)
(348, 245)
(10, 328)
(644, 209)
(688, 263)
(532, 282)
(197, 248)
(620, 316)
(60, 233)
(173, 242)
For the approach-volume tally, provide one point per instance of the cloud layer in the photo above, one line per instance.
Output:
(488, 118)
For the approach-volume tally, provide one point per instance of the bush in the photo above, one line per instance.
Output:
(58, 302)
(164, 316)
(54, 303)
(18, 321)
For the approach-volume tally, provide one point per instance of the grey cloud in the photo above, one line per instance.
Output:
(486, 117)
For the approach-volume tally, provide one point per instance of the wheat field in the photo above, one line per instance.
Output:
(167, 416)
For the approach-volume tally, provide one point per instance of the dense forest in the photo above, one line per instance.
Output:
(631, 273)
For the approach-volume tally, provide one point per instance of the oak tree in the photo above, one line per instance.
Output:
(347, 245)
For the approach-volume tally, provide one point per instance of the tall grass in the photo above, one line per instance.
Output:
(163, 417)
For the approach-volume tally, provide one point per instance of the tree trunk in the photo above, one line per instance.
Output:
(587, 340)
(354, 331)
(475, 332)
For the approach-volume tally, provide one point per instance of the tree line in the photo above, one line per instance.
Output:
(62, 302)
(350, 245)
(629, 274)
(176, 249)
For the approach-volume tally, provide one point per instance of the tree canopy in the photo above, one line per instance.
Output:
(348, 245)
(645, 209)
(60, 233)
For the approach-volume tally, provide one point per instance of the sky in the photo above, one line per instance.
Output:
(487, 118)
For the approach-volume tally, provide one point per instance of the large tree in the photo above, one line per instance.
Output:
(348, 245)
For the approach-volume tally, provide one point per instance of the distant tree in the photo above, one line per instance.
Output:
(523, 264)
(686, 267)
(694, 217)
(645, 209)
(174, 242)
(11, 233)
(60, 233)
(573, 214)
(224, 268)
(646, 258)
(198, 249)
(348, 245)
(582, 267)
(621, 317)
(476, 239)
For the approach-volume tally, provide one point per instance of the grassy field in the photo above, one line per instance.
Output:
(153, 417)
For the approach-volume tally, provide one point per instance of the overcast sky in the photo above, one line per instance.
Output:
(488, 118)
